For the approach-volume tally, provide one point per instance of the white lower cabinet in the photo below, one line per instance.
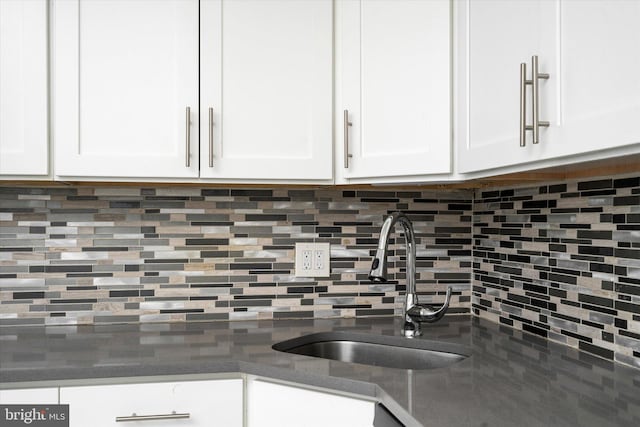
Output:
(278, 405)
(29, 396)
(200, 403)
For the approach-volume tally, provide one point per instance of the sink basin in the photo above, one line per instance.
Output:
(376, 350)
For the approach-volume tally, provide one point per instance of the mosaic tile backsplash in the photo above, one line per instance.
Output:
(95, 255)
(559, 260)
(562, 261)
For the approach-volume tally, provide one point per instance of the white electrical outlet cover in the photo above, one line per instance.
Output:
(313, 259)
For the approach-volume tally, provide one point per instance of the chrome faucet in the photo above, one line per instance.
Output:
(413, 312)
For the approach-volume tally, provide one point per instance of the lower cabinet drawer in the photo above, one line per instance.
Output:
(29, 396)
(279, 405)
(188, 403)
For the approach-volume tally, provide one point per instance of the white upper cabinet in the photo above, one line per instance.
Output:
(494, 37)
(393, 88)
(23, 88)
(129, 101)
(125, 88)
(266, 89)
(591, 98)
(600, 76)
(247, 91)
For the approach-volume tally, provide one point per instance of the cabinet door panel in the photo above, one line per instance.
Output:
(395, 83)
(495, 37)
(124, 74)
(23, 88)
(208, 403)
(601, 65)
(267, 75)
(284, 406)
(29, 395)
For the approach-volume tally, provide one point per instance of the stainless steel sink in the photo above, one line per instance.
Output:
(376, 350)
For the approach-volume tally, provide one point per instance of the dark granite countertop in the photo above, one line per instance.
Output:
(511, 378)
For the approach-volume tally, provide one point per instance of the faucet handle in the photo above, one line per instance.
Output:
(429, 313)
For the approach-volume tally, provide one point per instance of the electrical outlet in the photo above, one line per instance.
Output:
(304, 259)
(318, 259)
(313, 259)
(307, 259)
(322, 260)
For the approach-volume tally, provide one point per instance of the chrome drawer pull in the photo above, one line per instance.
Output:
(171, 416)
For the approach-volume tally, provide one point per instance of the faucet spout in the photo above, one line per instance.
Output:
(378, 271)
(414, 313)
(427, 312)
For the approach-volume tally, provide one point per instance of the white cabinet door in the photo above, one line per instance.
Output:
(277, 405)
(493, 38)
(266, 89)
(124, 75)
(207, 403)
(600, 69)
(393, 80)
(29, 395)
(23, 88)
(591, 100)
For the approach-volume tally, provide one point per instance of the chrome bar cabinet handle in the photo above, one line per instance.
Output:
(187, 160)
(210, 137)
(523, 104)
(347, 123)
(535, 76)
(171, 416)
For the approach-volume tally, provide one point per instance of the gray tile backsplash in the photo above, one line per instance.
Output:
(84, 255)
(562, 261)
